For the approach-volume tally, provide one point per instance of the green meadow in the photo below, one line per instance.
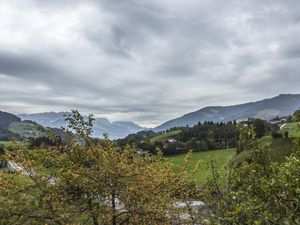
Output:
(221, 159)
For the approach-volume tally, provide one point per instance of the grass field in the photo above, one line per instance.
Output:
(292, 128)
(280, 148)
(5, 143)
(164, 136)
(221, 157)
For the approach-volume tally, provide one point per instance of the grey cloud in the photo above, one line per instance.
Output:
(22, 65)
(146, 61)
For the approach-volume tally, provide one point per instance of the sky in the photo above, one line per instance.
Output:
(146, 61)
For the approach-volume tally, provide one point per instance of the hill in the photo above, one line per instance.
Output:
(164, 136)
(280, 148)
(47, 119)
(25, 129)
(12, 126)
(266, 109)
(6, 119)
(117, 129)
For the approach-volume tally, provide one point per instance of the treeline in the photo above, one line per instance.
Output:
(201, 137)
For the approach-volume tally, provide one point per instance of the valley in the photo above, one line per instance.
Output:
(233, 158)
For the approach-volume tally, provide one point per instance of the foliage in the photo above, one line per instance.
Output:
(293, 129)
(296, 116)
(280, 148)
(210, 130)
(201, 137)
(259, 192)
(259, 127)
(246, 137)
(40, 141)
(165, 136)
(83, 182)
(275, 134)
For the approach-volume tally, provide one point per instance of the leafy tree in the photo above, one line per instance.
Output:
(296, 116)
(259, 127)
(246, 138)
(83, 182)
(260, 192)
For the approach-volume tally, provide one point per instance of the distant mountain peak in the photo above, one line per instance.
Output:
(118, 129)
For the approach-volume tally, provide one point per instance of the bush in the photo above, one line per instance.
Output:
(296, 116)
(275, 135)
(259, 127)
(2, 151)
(259, 192)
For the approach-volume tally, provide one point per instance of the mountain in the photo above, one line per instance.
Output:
(6, 119)
(281, 105)
(115, 130)
(47, 119)
(25, 129)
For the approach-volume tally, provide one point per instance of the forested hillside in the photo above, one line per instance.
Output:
(201, 137)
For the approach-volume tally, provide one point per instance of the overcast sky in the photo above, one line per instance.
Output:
(147, 61)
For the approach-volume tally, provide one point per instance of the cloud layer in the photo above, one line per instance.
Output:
(145, 61)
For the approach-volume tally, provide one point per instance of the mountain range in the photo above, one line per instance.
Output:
(115, 130)
(281, 105)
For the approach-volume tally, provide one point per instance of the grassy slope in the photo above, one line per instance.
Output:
(5, 143)
(292, 128)
(221, 157)
(165, 136)
(25, 129)
(280, 148)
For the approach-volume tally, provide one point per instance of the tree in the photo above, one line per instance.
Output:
(296, 116)
(259, 192)
(2, 151)
(259, 128)
(83, 182)
(246, 138)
